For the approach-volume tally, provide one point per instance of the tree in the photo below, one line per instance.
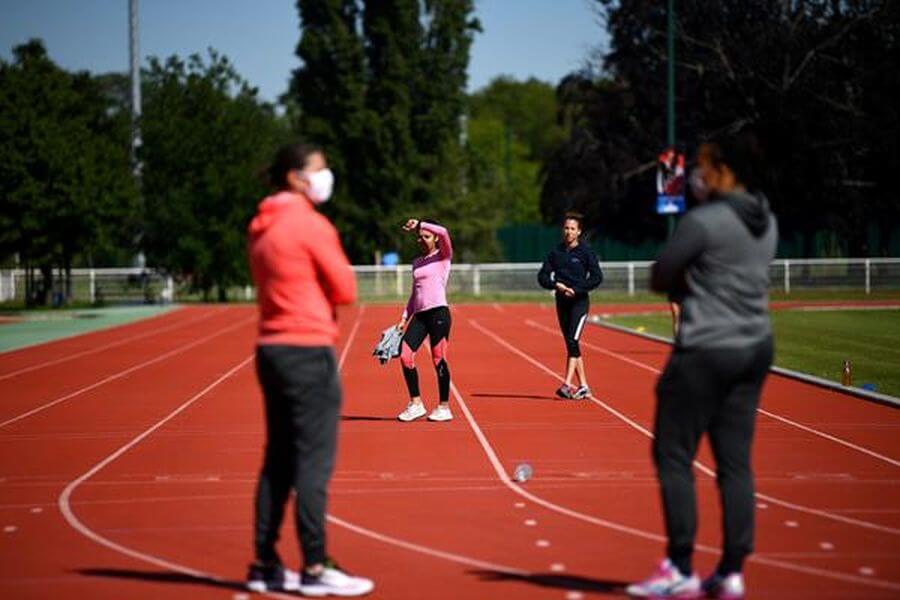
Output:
(812, 76)
(206, 141)
(65, 181)
(381, 88)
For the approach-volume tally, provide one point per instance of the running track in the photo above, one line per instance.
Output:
(128, 459)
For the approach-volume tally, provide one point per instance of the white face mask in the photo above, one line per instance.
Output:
(321, 184)
(698, 186)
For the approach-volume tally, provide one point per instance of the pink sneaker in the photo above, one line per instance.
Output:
(666, 582)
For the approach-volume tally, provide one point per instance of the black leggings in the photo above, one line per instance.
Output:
(572, 313)
(434, 323)
(714, 391)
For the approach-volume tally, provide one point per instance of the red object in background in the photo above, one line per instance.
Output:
(670, 173)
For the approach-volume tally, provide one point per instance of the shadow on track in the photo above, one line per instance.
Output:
(514, 396)
(555, 580)
(163, 577)
(366, 418)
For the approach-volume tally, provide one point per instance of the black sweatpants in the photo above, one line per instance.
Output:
(714, 391)
(572, 313)
(303, 399)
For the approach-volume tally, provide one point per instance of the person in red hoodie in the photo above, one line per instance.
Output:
(301, 274)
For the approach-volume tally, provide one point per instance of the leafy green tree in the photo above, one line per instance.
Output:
(382, 88)
(814, 77)
(512, 129)
(65, 183)
(206, 141)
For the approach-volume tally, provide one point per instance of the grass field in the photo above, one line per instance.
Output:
(818, 342)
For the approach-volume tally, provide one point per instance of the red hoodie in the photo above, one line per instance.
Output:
(300, 270)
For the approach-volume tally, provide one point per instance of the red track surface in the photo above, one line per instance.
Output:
(128, 459)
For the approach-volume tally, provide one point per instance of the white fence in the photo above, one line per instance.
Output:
(98, 286)
(147, 285)
(631, 277)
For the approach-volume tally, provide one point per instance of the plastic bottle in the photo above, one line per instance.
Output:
(847, 374)
(523, 472)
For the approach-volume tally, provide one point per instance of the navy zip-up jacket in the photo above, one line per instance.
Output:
(577, 268)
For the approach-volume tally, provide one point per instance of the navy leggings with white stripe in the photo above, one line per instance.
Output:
(572, 313)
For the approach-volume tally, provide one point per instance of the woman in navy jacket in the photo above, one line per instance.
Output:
(572, 271)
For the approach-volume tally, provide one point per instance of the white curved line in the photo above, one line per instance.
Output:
(700, 466)
(123, 373)
(498, 468)
(64, 502)
(771, 415)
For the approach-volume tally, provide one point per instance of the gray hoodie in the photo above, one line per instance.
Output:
(717, 266)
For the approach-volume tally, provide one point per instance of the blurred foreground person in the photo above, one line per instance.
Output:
(301, 274)
(717, 265)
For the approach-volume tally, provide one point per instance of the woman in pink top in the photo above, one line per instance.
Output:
(427, 314)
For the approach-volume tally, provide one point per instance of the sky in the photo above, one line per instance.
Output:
(546, 39)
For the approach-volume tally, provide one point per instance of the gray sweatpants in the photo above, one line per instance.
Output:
(303, 399)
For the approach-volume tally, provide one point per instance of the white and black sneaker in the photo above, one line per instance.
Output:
(272, 577)
(333, 581)
(581, 393)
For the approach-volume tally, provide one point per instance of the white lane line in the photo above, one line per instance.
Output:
(9, 529)
(793, 524)
(37, 510)
(830, 437)
(767, 413)
(557, 567)
(828, 546)
(866, 571)
(530, 523)
(700, 466)
(429, 551)
(542, 543)
(501, 474)
(125, 372)
(111, 344)
(64, 503)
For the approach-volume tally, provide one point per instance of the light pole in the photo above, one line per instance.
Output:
(135, 68)
(670, 93)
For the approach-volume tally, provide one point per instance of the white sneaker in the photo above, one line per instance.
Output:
(728, 587)
(666, 582)
(413, 411)
(441, 413)
(334, 582)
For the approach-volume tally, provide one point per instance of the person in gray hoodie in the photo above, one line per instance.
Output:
(716, 266)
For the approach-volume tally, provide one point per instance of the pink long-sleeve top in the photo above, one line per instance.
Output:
(430, 274)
